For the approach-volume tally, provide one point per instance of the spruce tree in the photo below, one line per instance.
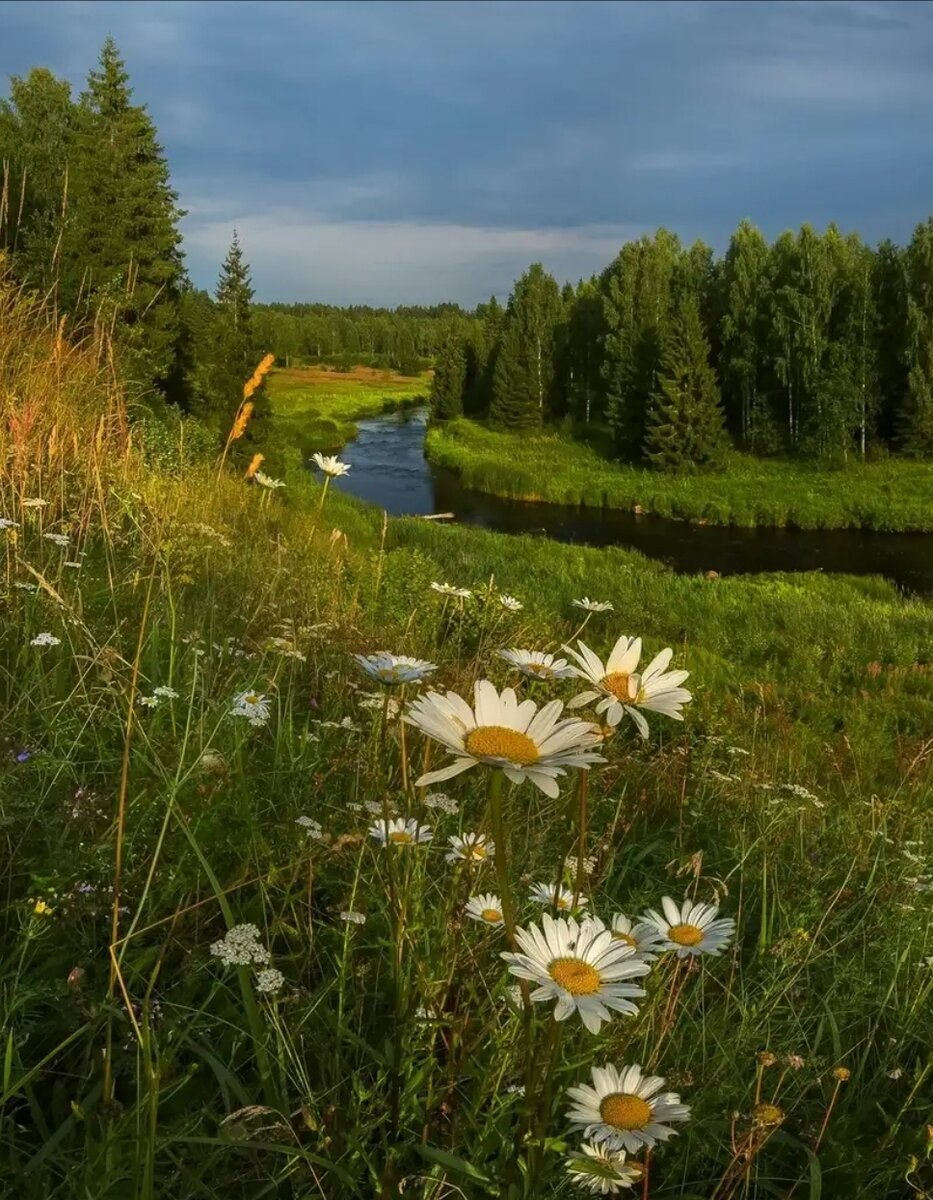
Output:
(448, 383)
(522, 384)
(915, 420)
(234, 354)
(684, 427)
(743, 329)
(514, 382)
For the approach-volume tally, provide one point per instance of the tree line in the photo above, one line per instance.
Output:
(814, 344)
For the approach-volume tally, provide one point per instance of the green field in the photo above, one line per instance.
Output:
(748, 491)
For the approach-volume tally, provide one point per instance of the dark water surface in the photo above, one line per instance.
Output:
(390, 470)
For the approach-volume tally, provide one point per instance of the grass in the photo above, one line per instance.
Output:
(892, 495)
(391, 1059)
(316, 407)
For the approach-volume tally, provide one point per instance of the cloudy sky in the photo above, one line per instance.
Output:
(412, 152)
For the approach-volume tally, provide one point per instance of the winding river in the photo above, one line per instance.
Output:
(390, 470)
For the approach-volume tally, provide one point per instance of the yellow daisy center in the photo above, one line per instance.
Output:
(625, 1111)
(624, 937)
(574, 976)
(685, 935)
(476, 851)
(617, 683)
(768, 1114)
(252, 698)
(401, 837)
(492, 915)
(495, 741)
(563, 904)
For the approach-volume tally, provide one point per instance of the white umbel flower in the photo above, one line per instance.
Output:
(642, 936)
(269, 980)
(600, 1171)
(401, 832)
(241, 947)
(593, 606)
(330, 464)
(691, 929)
(510, 604)
(349, 917)
(580, 967)
(557, 895)
(621, 689)
(448, 589)
(538, 665)
(525, 741)
(45, 639)
(472, 847)
(256, 707)
(624, 1109)
(60, 539)
(484, 907)
(393, 669)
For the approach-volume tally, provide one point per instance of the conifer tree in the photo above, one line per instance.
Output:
(448, 383)
(684, 427)
(233, 353)
(915, 423)
(744, 329)
(514, 381)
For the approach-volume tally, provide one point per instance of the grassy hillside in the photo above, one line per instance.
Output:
(391, 1058)
(749, 491)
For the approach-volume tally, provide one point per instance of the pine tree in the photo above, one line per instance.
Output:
(684, 427)
(915, 423)
(449, 374)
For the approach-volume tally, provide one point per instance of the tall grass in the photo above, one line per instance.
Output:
(393, 1060)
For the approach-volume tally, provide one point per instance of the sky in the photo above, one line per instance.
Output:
(391, 153)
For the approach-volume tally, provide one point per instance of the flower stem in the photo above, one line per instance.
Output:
(502, 855)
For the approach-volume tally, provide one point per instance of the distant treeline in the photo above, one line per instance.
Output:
(815, 344)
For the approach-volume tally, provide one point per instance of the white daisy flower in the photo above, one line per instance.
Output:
(441, 800)
(255, 706)
(330, 465)
(621, 689)
(557, 895)
(401, 832)
(472, 847)
(691, 929)
(267, 481)
(60, 539)
(600, 1171)
(510, 604)
(353, 918)
(624, 1109)
(448, 589)
(391, 669)
(580, 967)
(537, 665)
(484, 907)
(642, 936)
(45, 639)
(525, 741)
(593, 606)
(269, 980)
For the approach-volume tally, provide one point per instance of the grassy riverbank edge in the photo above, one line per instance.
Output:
(894, 497)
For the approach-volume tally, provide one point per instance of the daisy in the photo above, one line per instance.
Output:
(580, 967)
(400, 832)
(330, 465)
(448, 589)
(593, 606)
(556, 894)
(393, 669)
(537, 665)
(600, 1171)
(643, 936)
(472, 847)
(255, 706)
(525, 741)
(620, 689)
(510, 604)
(45, 639)
(624, 1110)
(267, 481)
(691, 929)
(484, 907)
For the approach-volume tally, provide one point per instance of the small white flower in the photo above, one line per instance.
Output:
(571, 863)
(625, 1109)
(472, 847)
(393, 669)
(330, 465)
(267, 481)
(484, 907)
(510, 604)
(165, 693)
(621, 689)
(76, 566)
(353, 918)
(448, 589)
(379, 702)
(314, 828)
(256, 707)
(24, 586)
(538, 665)
(60, 539)
(149, 701)
(691, 929)
(600, 1171)
(7, 523)
(593, 606)
(557, 895)
(738, 751)
(241, 947)
(269, 980)
(45, 639)
(401, 832)
(442, 801)
(35, 503)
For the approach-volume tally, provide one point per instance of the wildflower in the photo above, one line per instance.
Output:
(25, 586)
(148, 701)
(593, 606)
(7, 523)
(600, 1171)
(895, 1073)
(842, 1074)
(580, 967)
(76, 566)
(442, 801)
(737, 751)
(691, 929)
(35, 503)
(353, 918)
(401, 832)
(269, 980)
(510, 604)
(448, 589)
(526, 742)
(330, 465)
(314, 828)
(41, 909)
(256, 707)
(767, 1116)
(537, 665)
(643, 937)
(795, 1062)
(556, 894)
(621, 690)
(387, 704)
(484, 907)
(60, 539)
(240, 947)
(267, 481)
(212, 762)
(625, 1109)
(472, 847)
(572, 864)
(165, 693)
(45, 639)
(392, 669)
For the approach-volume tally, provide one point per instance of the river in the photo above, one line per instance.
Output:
(390, 470)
